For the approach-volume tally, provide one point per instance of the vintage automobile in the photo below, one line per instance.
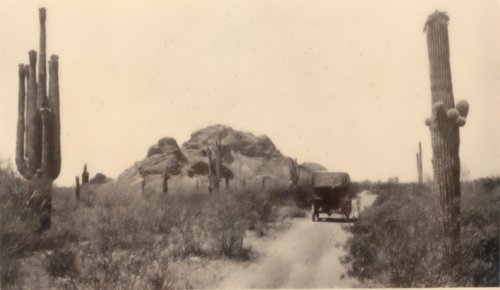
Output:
(331, 194)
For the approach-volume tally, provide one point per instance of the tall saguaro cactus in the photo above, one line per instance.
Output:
(215, 165)
(444, 126)
(218, 162)
(166, 177)
(85, 175)
(210, 171)
(77, 188)
(38, 147)
(419, 163)
(294, 171)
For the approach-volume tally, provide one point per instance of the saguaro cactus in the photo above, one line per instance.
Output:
(77, 188)
(226, 178)
(444, 126)
(210, 171)
(38, 149)
(294, 171)
(218, 162)
(419, 163)
(166, 177)
(215, 165)
(85, 175)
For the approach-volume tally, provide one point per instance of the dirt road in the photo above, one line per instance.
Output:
(306, 256)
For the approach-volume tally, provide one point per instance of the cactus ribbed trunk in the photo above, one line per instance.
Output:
(218, 162)
(294, 171)
(38, 153)
(85, 175)
(33, 124)
(166, 177)
(444, 126)
(226, 178)
(210, 171)
(77, 188)
(419, 163)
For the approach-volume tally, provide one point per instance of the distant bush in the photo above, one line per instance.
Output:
(397, 242)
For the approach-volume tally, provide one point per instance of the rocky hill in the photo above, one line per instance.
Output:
(246, 160)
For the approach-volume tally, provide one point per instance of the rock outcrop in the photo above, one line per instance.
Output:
(233, 141)
(247, 160)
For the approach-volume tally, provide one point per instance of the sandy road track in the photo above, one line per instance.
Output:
(306, 256)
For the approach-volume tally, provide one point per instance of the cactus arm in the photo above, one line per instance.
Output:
(20, 161)
(33, 140)
(42, 69)
(56, 121)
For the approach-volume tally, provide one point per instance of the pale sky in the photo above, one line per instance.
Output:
(341, 83)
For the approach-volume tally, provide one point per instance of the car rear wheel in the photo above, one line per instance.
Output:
(315, 213)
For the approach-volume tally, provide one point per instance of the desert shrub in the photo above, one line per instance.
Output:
(480, 232)
(184, 215)
(10, 271)
(215, 224)
(201, 224)
(227, 224)
(397, 242)
(140, 269)
(394, 236)
(115, 245)
(257, 207)
(17, 224)
(114, 237)
(112, 219)
(119, 220)
(88, 195)
(61, 263)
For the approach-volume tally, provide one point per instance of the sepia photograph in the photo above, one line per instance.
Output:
(249, 144)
